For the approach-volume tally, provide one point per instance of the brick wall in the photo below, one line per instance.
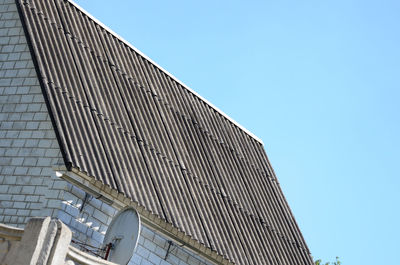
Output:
(152, 249)
(89, 223)
(86, 216)
(28, 146)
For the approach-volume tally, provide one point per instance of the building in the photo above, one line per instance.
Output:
(90, 125)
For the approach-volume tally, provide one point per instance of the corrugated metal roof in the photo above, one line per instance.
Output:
(128, 123)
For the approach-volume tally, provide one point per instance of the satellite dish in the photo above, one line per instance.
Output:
(122, 236)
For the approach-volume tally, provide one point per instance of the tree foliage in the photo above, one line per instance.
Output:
(337, 262)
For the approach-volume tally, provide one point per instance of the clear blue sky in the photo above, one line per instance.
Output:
(317, 81)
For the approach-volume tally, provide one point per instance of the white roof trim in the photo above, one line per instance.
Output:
(165, 71)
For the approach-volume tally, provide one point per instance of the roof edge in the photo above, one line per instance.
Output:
(165, 71)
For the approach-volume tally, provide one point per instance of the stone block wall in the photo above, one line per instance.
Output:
(88, 219)
(28, 146)
(152, 249)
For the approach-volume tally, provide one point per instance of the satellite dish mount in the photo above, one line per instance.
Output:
(122, 236)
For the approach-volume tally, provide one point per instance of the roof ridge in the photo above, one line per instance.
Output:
(165, 71)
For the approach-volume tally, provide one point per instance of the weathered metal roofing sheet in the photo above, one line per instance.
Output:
(125, 121)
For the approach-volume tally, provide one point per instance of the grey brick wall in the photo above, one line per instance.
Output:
(89, 224)
(87, 218)
(28, 146)
(152, 250)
